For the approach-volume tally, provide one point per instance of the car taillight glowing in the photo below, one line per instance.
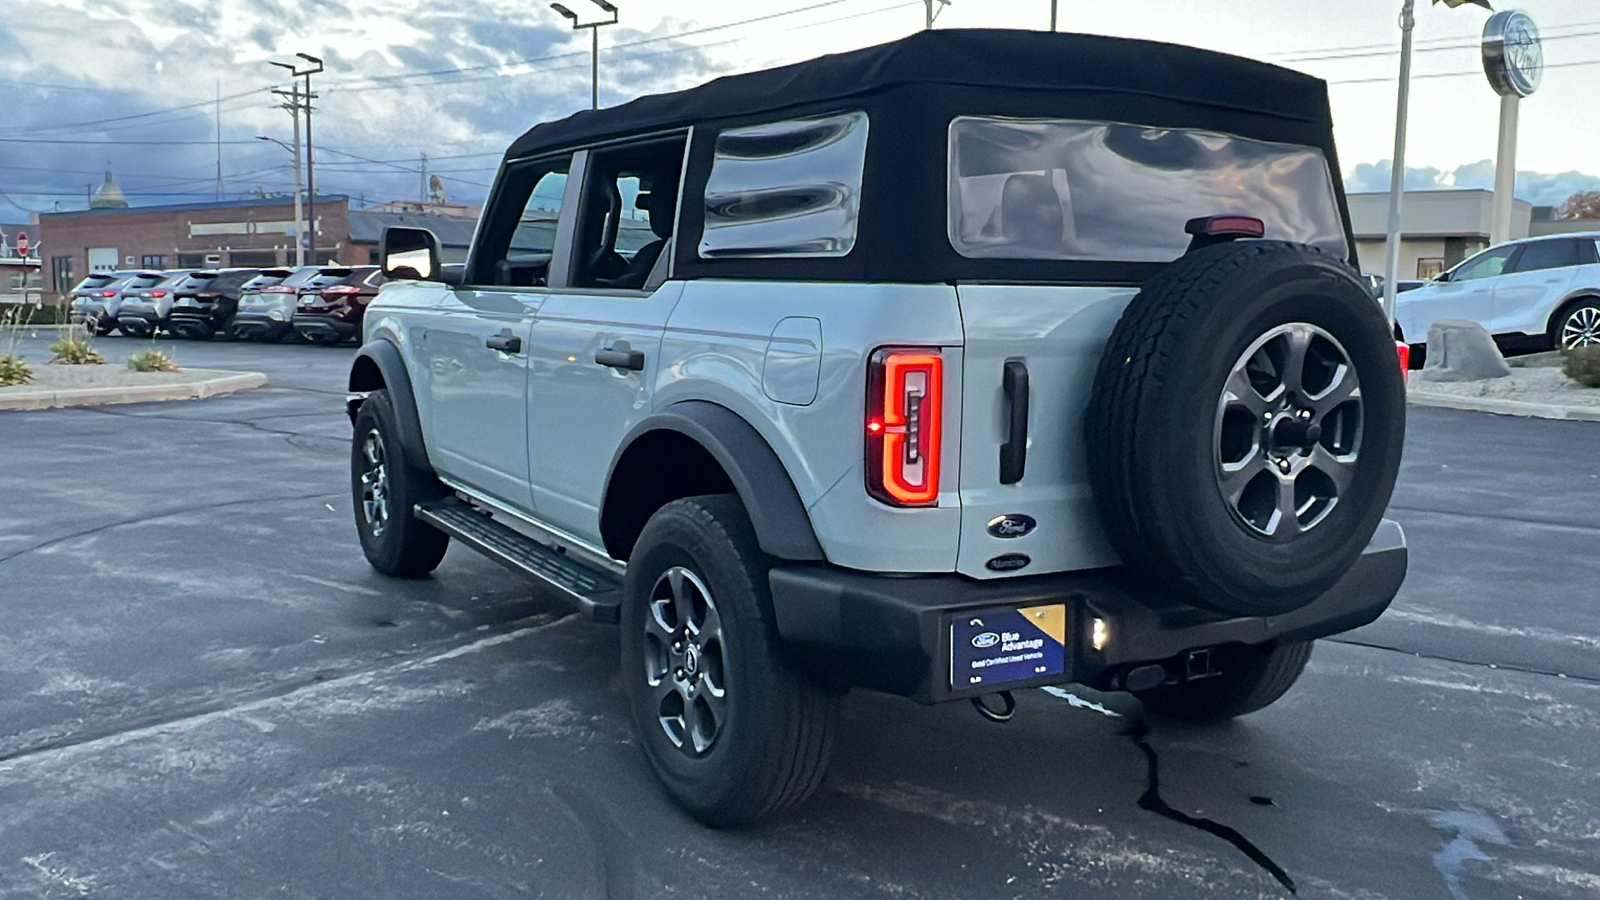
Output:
(108, 293)
(1404, 349)
(158, 294)
(905, 395)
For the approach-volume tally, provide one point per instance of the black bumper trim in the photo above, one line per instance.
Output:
(891, 633)
(309, 325)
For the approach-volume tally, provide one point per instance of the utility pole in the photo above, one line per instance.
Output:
(293, 106)
(304, 102)
(594, 33)
(934, 14)
(422, 184)
(219, 138)
(1052, 16)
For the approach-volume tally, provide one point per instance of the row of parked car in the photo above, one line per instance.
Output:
(321, 304)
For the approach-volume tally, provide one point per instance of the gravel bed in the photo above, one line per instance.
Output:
(1531, 384)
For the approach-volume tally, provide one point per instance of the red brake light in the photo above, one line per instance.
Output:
(345, 290)
(905, 396)
(1226, 226)
(158, 294)
(108, 293)
(277, 289)
(1404, 349)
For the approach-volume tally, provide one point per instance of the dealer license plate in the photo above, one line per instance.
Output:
(991, 648)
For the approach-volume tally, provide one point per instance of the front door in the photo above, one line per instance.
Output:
(594, 350)
(1468, 293)
(475, 346)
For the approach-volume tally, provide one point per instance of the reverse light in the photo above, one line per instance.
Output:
(1099, 633)
(905, 396)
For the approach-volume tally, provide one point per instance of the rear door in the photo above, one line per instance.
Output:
(594, 351)
(1052, 337)
(1535, 283)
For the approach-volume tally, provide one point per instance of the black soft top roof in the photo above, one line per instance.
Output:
(1002, 60)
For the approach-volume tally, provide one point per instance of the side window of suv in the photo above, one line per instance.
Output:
(630, 207)
(1554, 254)
(1487, 264)
(520, 225)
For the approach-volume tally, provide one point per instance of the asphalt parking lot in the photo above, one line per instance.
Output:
(205, 692)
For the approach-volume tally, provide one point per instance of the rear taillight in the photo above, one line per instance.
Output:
(905, 395)
(158, 294)
(1404, 349)
(108, 293)
(278, 290)
(341, 290)
(208, 295)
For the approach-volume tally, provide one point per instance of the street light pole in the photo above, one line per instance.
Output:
(1052, 16)
(594, 34)
(1397, 175)
(299, 215)
(311, 156)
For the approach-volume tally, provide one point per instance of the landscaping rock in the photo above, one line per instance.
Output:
(1459, 350)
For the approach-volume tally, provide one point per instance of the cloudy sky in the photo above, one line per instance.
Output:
(134, 83)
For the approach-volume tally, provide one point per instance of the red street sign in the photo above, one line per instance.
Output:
(22, 243)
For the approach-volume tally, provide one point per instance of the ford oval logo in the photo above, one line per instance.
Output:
(986, 640)
(1013, 525)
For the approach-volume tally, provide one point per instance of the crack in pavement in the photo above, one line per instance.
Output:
(246, 423)
(1151, 800)
(1504, 667)
(106, 526)
(1499, 517)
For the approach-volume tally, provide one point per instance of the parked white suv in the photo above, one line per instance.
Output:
(975, 361)
(1544, 287)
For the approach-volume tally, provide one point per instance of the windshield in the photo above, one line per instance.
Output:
(1067, 189)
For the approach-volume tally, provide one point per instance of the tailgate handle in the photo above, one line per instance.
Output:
(1014, 452)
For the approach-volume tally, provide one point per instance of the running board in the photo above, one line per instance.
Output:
(596, 594)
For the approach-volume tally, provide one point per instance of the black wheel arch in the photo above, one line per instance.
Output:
(1566, 306)
(671, 455)
(379, 366)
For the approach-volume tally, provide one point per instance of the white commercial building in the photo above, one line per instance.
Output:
(1437, 228)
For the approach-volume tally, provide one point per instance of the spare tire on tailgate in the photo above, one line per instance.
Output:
(1246, 426)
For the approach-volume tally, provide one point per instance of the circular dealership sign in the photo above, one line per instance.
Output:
(1513, 58)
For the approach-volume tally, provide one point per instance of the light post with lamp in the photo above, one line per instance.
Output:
(299, 220)
(594, 32)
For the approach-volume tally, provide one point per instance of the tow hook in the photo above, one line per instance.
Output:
(1008, 706)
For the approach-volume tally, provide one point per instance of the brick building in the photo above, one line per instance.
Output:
(255, 232)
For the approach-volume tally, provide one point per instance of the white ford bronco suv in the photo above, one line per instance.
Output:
(975, 361)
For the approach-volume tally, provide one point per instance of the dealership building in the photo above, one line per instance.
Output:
(256, 232)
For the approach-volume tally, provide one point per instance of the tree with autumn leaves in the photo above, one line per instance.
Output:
(1582, 205)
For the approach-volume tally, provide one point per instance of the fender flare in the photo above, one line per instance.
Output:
(385, 355)
(782, 525)
(1584, 293)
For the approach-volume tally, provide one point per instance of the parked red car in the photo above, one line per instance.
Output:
(333, 303)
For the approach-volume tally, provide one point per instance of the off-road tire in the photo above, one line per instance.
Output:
(404, 546)
(773, 747)
(1152, 426)
(1252, 678)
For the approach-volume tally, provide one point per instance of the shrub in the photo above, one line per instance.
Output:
(70, 351)
(14, 371)
(1582, 364)
(152, 361)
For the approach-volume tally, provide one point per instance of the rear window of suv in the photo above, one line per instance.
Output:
(1079, 190)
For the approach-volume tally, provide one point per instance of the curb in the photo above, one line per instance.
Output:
(1415, 397)
(222, 383)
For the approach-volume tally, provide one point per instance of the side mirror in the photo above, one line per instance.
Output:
(409, 253)
(1442, 276)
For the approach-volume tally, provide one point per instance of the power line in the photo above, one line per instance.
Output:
(1390, 78)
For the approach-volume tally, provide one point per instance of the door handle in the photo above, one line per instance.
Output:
(505, 342)
(1014, 452)
(620, 358)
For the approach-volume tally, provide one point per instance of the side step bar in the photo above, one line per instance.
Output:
(596, 594)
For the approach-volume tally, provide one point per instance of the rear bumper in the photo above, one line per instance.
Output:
(327, 328)
(893, 633)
